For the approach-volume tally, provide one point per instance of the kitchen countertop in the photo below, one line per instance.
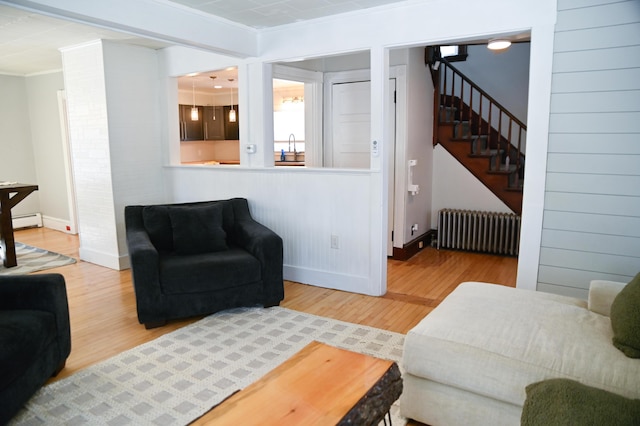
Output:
(289, 163)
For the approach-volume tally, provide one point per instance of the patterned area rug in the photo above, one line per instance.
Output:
(178, 377)
(31, 259)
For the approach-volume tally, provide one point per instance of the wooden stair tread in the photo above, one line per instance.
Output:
(512, 169)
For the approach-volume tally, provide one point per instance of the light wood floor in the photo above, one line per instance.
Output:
(103, 313)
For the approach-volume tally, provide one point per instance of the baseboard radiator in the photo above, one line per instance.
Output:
(486, 232)
(32, 220)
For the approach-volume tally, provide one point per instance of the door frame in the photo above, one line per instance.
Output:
(398, 139)
(68, 164)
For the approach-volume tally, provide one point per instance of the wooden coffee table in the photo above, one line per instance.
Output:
(319, 385)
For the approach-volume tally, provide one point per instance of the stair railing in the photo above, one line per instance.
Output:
(485, 115)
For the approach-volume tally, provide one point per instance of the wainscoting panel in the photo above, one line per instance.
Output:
(306, 207)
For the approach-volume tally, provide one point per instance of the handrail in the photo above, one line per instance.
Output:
(485, 94)
(505, 137)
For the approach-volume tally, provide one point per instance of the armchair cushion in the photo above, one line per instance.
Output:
(625, 319)
(157, 223)
(208, 272)
(197, 229)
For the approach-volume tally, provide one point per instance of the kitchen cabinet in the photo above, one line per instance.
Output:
(213, 128)
(191, 130)
(206, 128)
(231, 129)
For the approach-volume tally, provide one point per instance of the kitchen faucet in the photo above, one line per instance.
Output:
(294, 142)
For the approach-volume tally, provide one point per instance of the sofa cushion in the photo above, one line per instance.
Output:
(568, 402)
(197, 229)
(24, 335)
(208, 272)
(625, 319)
(158, 225)
(494, 340)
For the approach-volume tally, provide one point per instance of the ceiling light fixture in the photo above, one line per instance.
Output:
(194, 110)
(498, 44)
(232, 112)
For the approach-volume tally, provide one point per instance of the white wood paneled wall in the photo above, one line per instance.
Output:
(591, 227)
(305, 207)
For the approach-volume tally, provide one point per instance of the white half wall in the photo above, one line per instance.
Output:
(305, 207)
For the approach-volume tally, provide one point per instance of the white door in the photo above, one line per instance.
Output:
(351, 125)
(351, 130)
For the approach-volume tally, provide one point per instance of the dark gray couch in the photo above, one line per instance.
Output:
(198, 258)
(35, 338)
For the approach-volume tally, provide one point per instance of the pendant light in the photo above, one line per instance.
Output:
(194, 110)
(232, 112)
(213, 77)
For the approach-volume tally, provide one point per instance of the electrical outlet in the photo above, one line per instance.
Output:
(335, 242)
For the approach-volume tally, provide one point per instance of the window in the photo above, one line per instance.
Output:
(208, 117)
(454, 53)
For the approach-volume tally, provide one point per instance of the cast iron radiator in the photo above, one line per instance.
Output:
(487, 232)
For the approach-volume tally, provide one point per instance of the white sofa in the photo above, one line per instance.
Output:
(468, 362)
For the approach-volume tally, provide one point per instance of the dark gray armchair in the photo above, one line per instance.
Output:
(198, 258)
(35, 338)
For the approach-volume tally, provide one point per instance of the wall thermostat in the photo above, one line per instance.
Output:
(374, 148)
(250, 148)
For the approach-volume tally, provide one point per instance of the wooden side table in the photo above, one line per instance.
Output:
(10, 195)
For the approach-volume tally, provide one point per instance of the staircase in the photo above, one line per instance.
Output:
(481, 134)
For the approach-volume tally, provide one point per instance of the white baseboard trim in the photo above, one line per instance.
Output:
(107, 260)
(58, 224)
(350, 283)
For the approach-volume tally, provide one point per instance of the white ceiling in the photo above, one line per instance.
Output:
(29, 42)
(272, 13)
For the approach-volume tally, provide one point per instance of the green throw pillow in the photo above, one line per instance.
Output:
(197, 229)
(625, 319)
(559, 402)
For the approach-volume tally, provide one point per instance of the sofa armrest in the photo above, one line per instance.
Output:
(601, 295)
(145, 264)
(40, 292)
(263, 244)
(266, 246)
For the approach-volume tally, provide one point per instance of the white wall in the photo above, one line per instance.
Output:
(132, 86)
(592, 199)
(89, 139)
(305, 207)
(417, 146)
(16, 150)
(113, 100)
(48, 157)
(456, 188)
(503, 75)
